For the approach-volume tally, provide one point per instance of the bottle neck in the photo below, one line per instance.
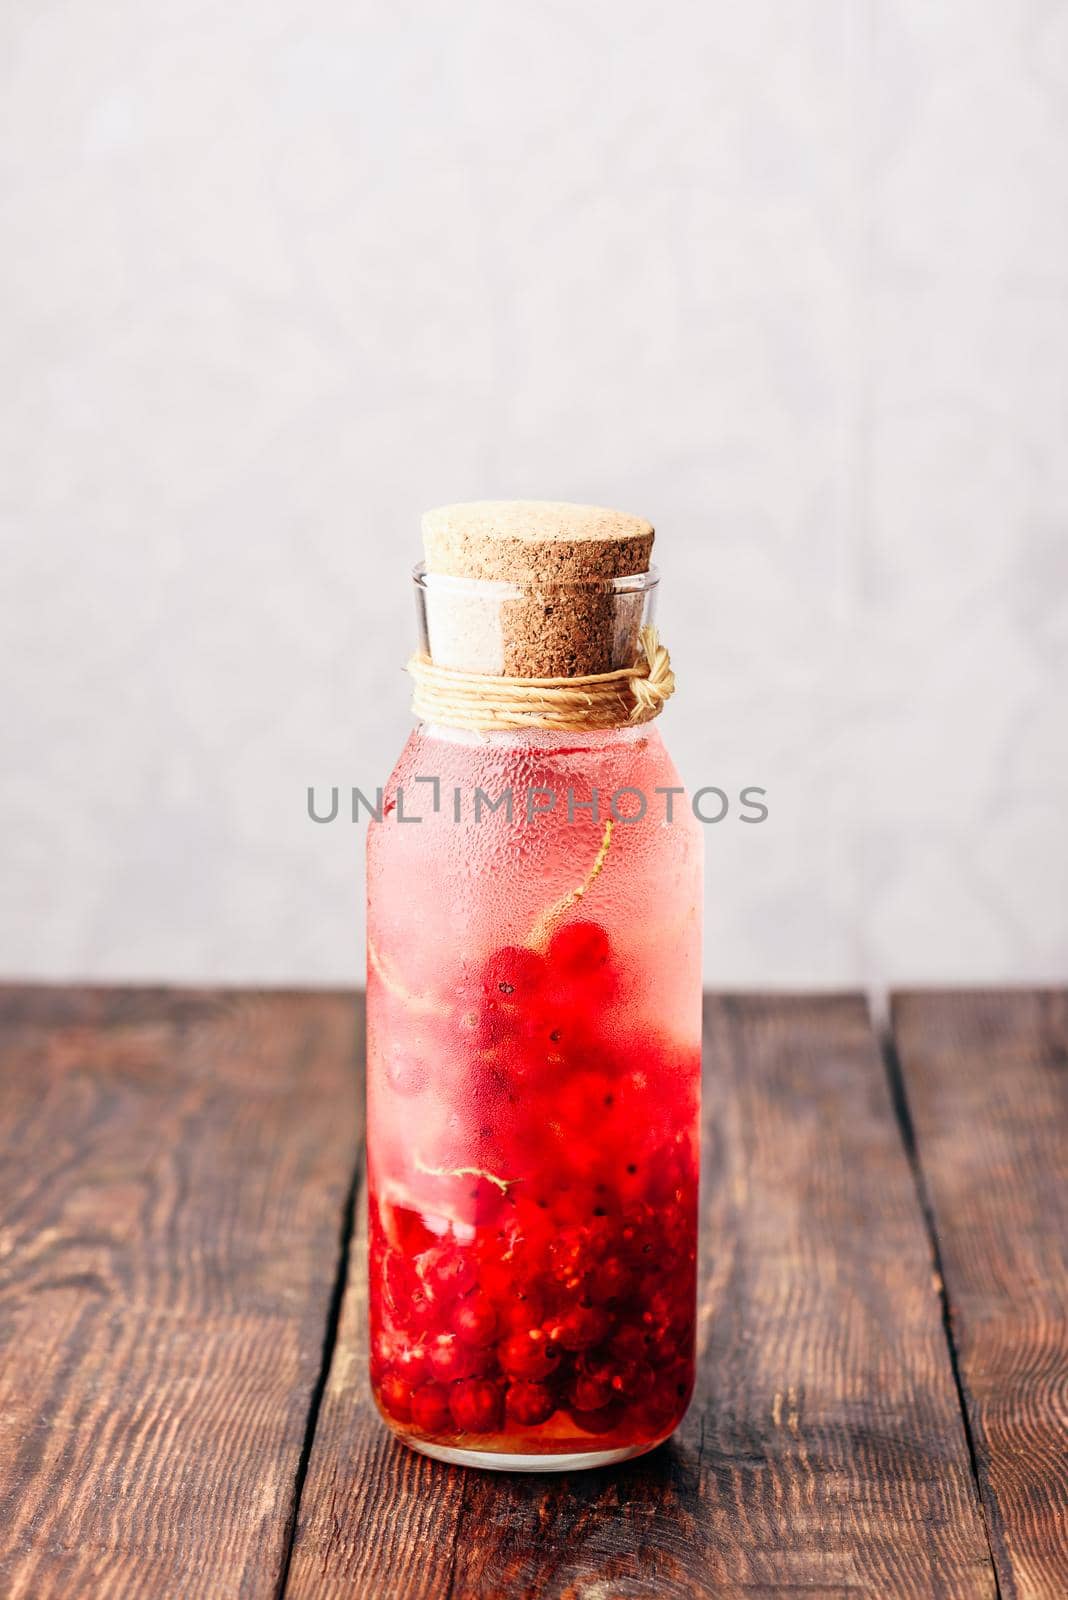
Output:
(536, 738)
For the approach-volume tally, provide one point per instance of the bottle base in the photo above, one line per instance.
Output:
(500, 1461)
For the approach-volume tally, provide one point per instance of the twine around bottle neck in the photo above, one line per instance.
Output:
(621, 699)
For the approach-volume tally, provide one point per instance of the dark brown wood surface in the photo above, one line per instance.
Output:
(986, 1076)
(183, 1399)
(825, 1451)
(173, 1178)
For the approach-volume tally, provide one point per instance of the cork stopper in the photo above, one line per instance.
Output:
(567, 620)
(530, 541)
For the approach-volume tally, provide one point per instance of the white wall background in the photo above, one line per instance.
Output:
(789, 276)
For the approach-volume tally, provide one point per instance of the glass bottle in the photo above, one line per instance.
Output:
(534, 1035)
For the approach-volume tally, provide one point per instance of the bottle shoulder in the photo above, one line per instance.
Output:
(607, 759)
(624, 775)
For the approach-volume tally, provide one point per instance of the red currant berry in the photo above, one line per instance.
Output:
(412, 1363)
(580, 1327)
(664, 1313)
(602, 1421)
(430, 1408)
(537, 1227)
(620, 1376)
(475, 1321)
(522, 1308)
(422, 1309)
(578, 1247)
(396, 1396)
(475, 1405)
(574, 1202)
(529, 1403)
(579, 949)
(381, 1354)
(633, 1181)
(398, 1281)
(590, 1393)
(447, 1271)
(611, 1282)
(643, 1240)
(629, 1345)
(513, 975)
(662, 1405)
(583, 1108)
(450, 1359)
(528, 1355)
(667, 1346)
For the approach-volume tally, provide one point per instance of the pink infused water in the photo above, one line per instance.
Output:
(534, 1024)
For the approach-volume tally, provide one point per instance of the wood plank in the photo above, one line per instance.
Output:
(825, 1449)
(175, 1173)
(986, 1076)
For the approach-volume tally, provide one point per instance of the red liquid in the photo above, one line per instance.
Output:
(533, 1162)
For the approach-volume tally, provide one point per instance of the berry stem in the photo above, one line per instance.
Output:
(503, 1184)
(541, 930)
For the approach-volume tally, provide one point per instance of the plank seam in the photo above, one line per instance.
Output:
(330, 1333)
(899, 1101)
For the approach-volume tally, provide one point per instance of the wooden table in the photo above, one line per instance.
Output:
(882, 1406)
